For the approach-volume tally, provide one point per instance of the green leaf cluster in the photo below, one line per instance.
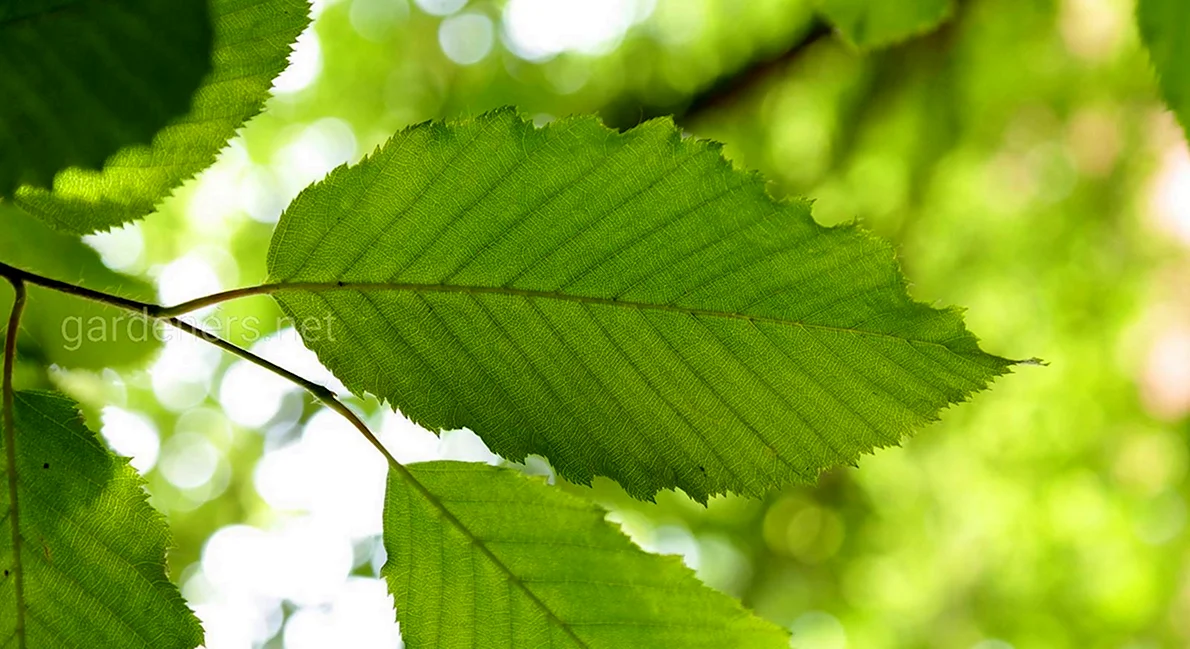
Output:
(624, 304)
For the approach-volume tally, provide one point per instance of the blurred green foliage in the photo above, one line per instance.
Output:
(868, 24)
(1018, 157)
(65, 331)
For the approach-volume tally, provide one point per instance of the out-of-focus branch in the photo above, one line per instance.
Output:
(721, 93)
(729, 89)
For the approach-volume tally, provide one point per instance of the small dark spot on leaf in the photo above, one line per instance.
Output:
(702, 468)
(46, 465)
(5, 573)
(340, 283)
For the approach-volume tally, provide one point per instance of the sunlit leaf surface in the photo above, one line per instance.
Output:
(480, 556)
(624, 304)
(81, 78)
(92, 550)
(252, 40)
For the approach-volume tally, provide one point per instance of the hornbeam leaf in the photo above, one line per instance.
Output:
(870, 24)
(92, 551)
(82, 78)
(252, 39)
(480, 556)
(626, 305)
(1165, 29)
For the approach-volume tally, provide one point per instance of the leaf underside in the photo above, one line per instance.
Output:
(93, 550)
(82, 78)
(624, 304)
(252, 40)
(64, 330)
(517, 563)
(870, 24)
(1165, 29)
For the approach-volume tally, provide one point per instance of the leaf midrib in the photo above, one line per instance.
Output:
(561, 297)
(480, 544)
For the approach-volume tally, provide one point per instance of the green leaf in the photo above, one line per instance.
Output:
(624, 304)
(869, 24)
(92, 552)
(82, 78)
(67, 330)
(480, 556)
(252, 40)
(1165, 30)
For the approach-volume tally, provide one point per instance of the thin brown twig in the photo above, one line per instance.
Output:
(320, 392)
(10, 456)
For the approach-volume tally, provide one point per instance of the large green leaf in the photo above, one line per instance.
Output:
(252, 40)
(876, 23)
(480, 556)
(82, 78)
(624, 304)
(66, 330)
(1165, 29)
(92, 553)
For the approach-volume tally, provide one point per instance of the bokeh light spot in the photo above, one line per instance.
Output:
(251, 395)
(182, 372)
(440, 7)
(305, 64)
(541, 29)
(817, 630)
(132, 435)
(376, 20)
(189, 461)
(120, 248)
(187, 278)
(360, 617)
(320, 147)
(466, 38)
